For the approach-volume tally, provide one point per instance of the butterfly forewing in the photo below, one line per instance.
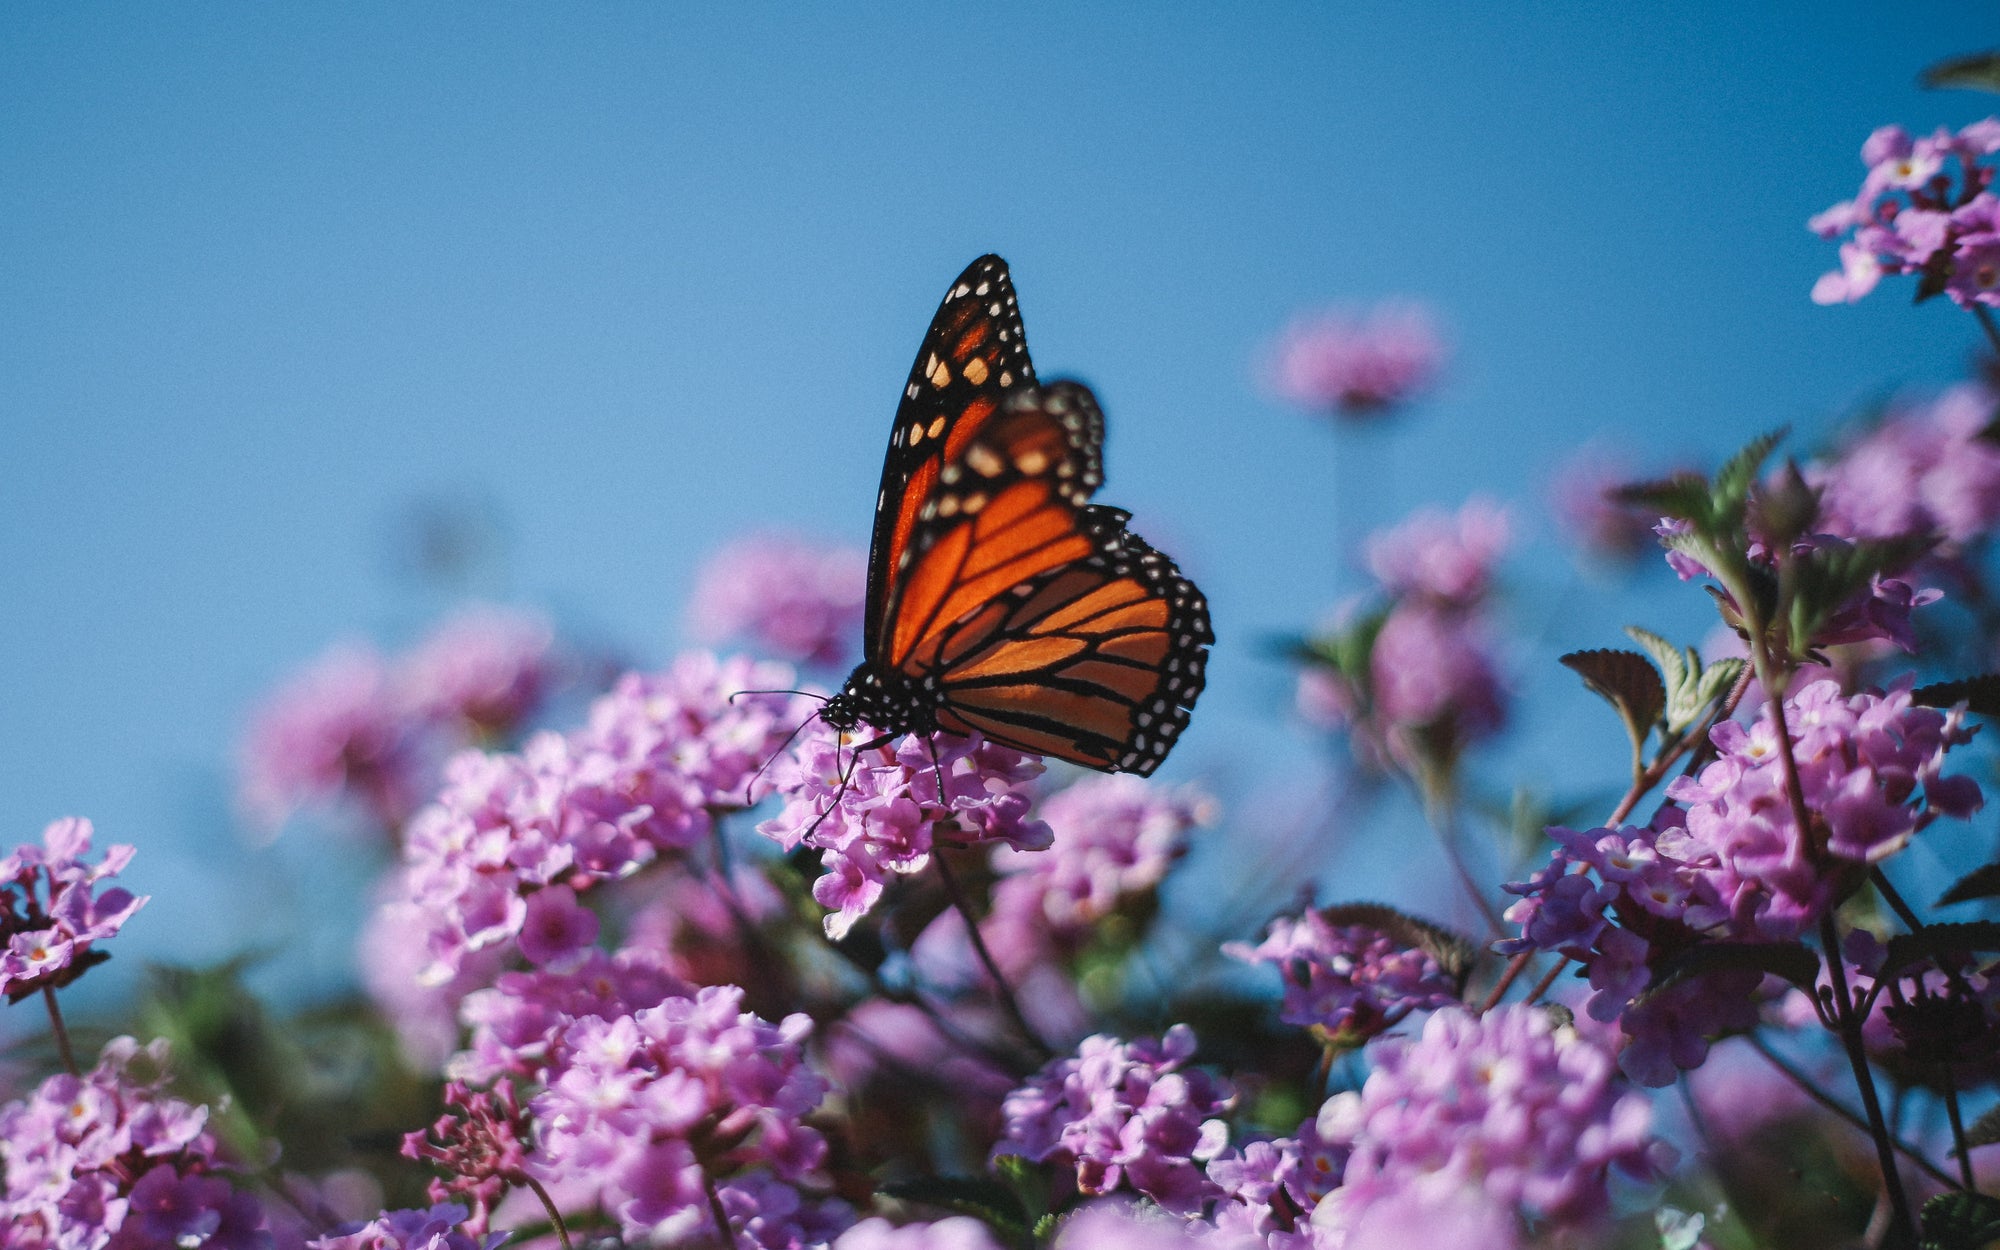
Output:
(972, 356)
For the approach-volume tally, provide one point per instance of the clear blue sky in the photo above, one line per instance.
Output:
(641, 276)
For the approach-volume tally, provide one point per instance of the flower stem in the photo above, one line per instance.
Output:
(1440, 812)
(716, 1212)
(1004, 991)
(1548, 979)
(1958, 1142)
(1515, 967)
(549, 1205)
(1810, 1088)
(1845, 1017)
(61, 1032)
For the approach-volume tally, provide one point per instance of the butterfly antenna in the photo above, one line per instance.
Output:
(805, 694)
(751, 784)
(846, 778)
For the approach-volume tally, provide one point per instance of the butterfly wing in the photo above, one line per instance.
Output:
(1041, 620)
(973, 355)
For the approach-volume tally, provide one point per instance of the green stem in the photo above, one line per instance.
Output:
(1958, 1142)
(62, 1033)
(716, 1212)
(1002, 989)
(1810, 1088)
(549, 1205)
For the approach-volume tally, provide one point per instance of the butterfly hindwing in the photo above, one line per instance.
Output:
(1097, 662)
(973, 355)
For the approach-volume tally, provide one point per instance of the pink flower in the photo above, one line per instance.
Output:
(1923, 208)
(888, 815)
(1435, 555)
(957, 1233)
(485, 670)
(1357, 365)
(51, 911)
(791, 597)
(334, 730)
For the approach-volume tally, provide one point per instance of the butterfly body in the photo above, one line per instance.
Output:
(1000, 600)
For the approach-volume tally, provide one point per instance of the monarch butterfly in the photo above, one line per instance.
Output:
(999, 599)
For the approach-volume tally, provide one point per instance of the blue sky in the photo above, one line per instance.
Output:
(637, 278)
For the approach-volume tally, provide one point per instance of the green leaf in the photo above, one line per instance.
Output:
(1939, 939)
(1683, 496)
(1961, 1221)
(1981, 695)
(1827, 579)
(1981, 882)
(1792, 961)
(1733, 480)
(1628, 683)
(981, 1196)
(1984, 1131)
(1718, 680)
(1453, 952)
(1691, 688)
(1978, 72)
(1932, 280)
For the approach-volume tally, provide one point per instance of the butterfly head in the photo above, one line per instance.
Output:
(890, 702)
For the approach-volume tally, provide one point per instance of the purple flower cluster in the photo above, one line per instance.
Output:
(787, 596)
(108, 1160)
(1348, 981)
(499, 859)
(1923, 470)
(1357, 366)
(1505, 1111)
(1430, 686)
(957, 1233)
(1115, 839)
(1923, 208)
(357, 725)
(1271, 1188)
(515, 1021)
(649, 1110)
(51, 909)
(1128, 1114)
(1581, 492)
(1727, 860)
(436, 1229)
(1879, 610)
(888, 814)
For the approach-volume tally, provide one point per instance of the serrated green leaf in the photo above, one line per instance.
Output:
(1626, 681)
(1961, 1221)
(1453, 952)
(1673, 664)
(1719, 679)
(1733, 480)
(1979, 71)
(979, 1196)
(1981, 694)
(1982, 882)
(1683, 496)
(1791, 961)
(1939, 939)
(1826, 579)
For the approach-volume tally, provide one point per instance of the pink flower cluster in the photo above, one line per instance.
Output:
(107, 1161)
(357, 725)
(1730, 861)
(1114, 839)
(1581, 492)
(1358, 366)
(498, 861)
(439, 1228)
(1349, 981)
(1430, 675)
(1506, 1112)
(1271, 1188)
(957, 1233)
(1128, 1114)
(51, 910)
(650, 1109)
(789, 597)
(1923, 208)
(878, 814)
(1923, 470)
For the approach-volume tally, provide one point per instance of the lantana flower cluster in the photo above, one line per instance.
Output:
(1727, 860)
(1507, 1113)
(1128, 1115)
(878, 814)
(499, 860)
(1357, 366)
(651, 1109)
(53, 910)
(1924, 208)
(108, 1159)
(1348, 981)
(786, 596)
(1924, 469)
(356, 724)
(1424, 684)
(438, 1228)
